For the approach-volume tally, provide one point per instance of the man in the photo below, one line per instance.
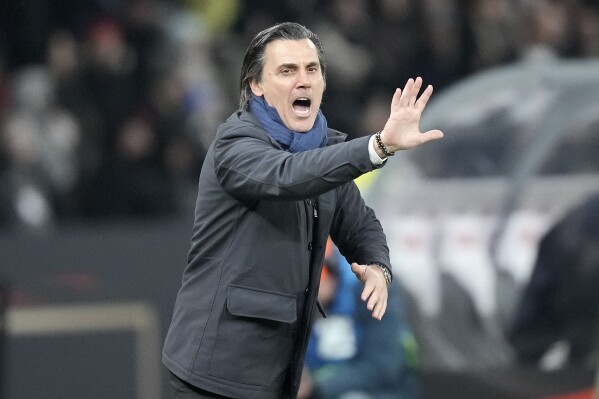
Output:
(559, 307)
(275, 183)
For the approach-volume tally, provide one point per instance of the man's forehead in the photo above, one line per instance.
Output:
(285, 51)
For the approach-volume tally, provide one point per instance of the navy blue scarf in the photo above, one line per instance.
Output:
(290, 140)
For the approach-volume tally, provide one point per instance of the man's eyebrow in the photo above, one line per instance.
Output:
(291, 65)
(288, 65)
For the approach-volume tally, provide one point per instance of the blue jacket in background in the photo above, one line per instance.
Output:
(350, 351)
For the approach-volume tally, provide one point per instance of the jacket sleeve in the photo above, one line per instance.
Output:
(250, 167)
(356, 231)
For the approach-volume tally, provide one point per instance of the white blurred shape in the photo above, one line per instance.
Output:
(518, 244)
(464, 254)
(412, 237)
(336, 337)
(32, 207)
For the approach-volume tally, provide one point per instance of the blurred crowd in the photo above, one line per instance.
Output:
(107, 106)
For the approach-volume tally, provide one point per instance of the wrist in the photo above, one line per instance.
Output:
(381, 147)
(385, 270)
(376, 158)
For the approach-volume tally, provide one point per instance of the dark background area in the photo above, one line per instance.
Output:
(107, 108)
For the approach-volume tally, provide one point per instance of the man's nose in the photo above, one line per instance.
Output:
(304, 79)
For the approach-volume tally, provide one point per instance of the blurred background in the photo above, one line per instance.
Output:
(107, 108)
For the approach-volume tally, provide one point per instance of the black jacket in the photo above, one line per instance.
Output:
(560, 301)
(242, 316)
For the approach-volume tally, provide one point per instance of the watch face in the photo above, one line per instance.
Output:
(386, 274)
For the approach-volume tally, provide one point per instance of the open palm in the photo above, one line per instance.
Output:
(402, 130)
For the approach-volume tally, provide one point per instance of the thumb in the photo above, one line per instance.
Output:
(359, 271)
(431, 135)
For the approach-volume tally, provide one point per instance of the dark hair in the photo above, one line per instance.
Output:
(253, 62)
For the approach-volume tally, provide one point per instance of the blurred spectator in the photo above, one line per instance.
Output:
(63, 59)
(587, 24)
(402, 55)
(376, 111)
(202, 97)
(182, 160)
(132, 183)
(545, 31)
(346, 29)
(444, 57)
(109, 80)
(251, 18)
(143, 31)
(218, 15)
(40, 141)
(493, 29)
(557, 320)
(178, 62)
(352, 355)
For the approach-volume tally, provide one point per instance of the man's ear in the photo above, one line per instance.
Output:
(256, 87)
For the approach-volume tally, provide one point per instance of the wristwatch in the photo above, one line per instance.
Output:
(386, 272)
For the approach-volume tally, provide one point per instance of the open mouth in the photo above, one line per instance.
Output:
(301, 106)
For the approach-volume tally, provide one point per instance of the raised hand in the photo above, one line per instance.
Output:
(402, 130)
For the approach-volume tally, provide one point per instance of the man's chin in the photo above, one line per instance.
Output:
(303, 126)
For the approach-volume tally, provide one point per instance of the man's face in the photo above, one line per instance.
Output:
(292, 82)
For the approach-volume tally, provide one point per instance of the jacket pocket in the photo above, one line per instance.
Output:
(259, 304)
(254, 341)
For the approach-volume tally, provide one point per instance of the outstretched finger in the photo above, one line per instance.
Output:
(379, 309)
(426, 95)
(415, 90)
(404, 100)
(366, 295)
(395, 100)
(373, 300)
